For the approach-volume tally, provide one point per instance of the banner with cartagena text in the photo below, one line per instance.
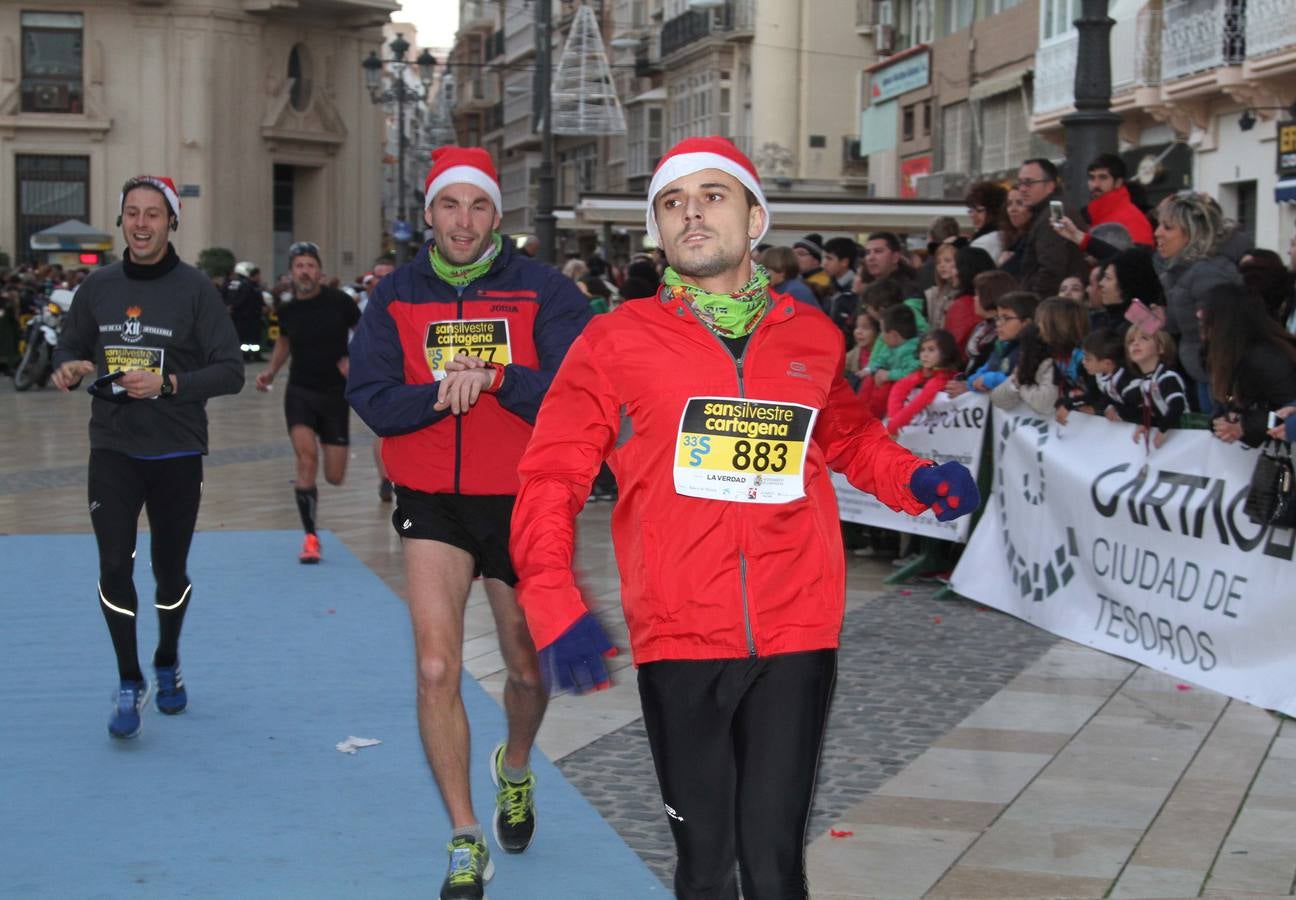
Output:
(1145, 555)
(949, 428)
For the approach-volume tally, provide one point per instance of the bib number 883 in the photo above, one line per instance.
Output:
(761, 457)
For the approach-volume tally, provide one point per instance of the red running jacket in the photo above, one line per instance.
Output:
(391, 385)
(700, 578)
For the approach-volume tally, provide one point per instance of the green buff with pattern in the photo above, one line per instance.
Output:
(462, 275)
(728, 315)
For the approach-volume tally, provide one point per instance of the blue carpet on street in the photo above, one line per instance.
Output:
(245, 795)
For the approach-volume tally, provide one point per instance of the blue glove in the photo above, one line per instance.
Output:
(949, 489)
(574, 662)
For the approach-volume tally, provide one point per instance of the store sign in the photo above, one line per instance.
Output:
(906, 75)
(1287, 148)
(911, 170)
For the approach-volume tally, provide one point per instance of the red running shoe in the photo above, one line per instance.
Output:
(310, 552)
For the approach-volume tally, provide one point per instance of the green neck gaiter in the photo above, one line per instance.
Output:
(728, 315)
(462, 275)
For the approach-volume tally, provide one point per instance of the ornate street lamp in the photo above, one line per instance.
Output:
(398, 94)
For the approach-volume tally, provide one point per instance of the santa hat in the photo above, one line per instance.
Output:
(695, 154)
(462, 165)
(165, 186)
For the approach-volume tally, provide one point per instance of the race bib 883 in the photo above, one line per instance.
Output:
(742, 450)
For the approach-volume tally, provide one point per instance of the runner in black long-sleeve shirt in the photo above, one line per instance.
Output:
(160, 327)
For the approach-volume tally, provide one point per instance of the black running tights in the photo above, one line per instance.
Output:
(736, 746)
(169, 490)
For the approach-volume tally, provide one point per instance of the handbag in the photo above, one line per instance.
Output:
(1271, 498)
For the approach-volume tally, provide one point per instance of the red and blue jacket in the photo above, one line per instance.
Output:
(392, 387)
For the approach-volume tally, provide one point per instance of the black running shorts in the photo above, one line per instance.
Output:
(476, 524)
(324, 412)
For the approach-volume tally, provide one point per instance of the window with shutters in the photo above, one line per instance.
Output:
(51, 62)
(1005, 133)
(955, 143)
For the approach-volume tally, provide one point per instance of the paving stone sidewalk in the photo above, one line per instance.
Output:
(911, 668)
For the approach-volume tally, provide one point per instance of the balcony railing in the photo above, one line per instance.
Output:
(1270, 26)
(1200, 35)
(735, 17)
(1055, 67)
(1148, 31)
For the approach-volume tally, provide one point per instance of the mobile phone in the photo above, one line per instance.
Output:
(105, 387)
(1141, 317)
(1274, 421)
(1055, 210)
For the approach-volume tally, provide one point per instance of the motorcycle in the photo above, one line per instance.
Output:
(36, 364)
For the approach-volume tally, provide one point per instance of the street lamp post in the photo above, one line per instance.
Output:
(399, 93)
(545, 221)
(1091, 129)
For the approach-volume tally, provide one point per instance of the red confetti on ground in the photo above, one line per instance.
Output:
(1183, 687)
(905, 593)
(840, 834)
(936, 620)
(982, 608)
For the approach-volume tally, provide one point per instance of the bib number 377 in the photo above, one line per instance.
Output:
(742, 450)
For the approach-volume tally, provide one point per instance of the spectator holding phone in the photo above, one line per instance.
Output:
(1252, 362)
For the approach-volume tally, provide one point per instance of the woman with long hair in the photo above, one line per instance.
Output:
(1187, 238)
(1015, 233)
(1252, 363)
(987, 203)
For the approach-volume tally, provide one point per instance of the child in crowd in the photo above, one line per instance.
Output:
(987, 288)
(940, 295)
(867, 331)
(1014, 311)
(1049, 364)
(894, 356)
(1104, 365)
(962, 317)
(1153, 395)
(937, 364)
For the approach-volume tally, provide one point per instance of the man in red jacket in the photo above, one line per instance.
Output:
(453, 354)
(726, 532)
(1109, 201)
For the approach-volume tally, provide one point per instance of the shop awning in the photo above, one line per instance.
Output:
(1285, 191)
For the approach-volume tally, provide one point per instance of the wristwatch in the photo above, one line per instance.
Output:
(168, 389)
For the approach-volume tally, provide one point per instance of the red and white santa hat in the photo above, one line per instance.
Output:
(695, 154)
(462, 165)
(163, 185)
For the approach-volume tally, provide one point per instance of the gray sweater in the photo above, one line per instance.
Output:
(176, 320)
(1186, 285)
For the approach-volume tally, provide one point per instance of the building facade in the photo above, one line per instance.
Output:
(256, 108)
(784, 80)
(1202, 87)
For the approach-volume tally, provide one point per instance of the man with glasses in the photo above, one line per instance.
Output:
(1048, 256)
(453, 355)
(313, 329)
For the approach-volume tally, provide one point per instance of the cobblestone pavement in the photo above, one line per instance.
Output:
(910, 669)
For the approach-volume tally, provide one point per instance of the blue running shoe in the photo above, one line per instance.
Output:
(171, 696)
(125, 721)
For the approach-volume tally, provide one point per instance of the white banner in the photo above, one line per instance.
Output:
(947, 429)
(1143, 555)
